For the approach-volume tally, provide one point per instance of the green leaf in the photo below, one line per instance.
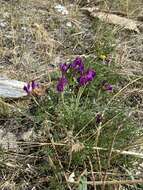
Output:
(83, 183)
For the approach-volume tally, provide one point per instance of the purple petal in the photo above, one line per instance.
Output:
(63, 80)
(34, 85)
(60, 88)
(98, 118)
(78, 64)
(86, 77)
(90, 74)
(107, 86)
(61, 84)
(25, 88)
(64, 67)
(28, 86)
(82, 80)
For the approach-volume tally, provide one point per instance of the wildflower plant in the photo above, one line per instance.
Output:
(83, 105)
(81, 109)
(93, 106)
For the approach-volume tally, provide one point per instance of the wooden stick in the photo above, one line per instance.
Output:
(115, 182)
(124, 152)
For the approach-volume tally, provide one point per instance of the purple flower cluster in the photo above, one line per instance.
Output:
(86, 77)
(77, 71)
(30, 87)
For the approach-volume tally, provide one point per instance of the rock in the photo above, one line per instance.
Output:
(61, 9)
(29, 135)
(8, 140)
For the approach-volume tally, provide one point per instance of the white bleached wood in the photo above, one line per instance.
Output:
(11, 88)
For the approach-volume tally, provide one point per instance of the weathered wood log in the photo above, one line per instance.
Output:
(123, 22)
(11, 88)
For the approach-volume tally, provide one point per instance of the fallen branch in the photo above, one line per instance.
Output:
(11, 88)
(124, 152)
(114, 182)
(114, 19)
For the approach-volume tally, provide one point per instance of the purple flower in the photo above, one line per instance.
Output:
(30, 87)
(34, 85)
(107, 86)
(90, 74)
(27, 88)
(61, 84)
(98, 118)
(64, 67)
(78, 65)
(86, 77)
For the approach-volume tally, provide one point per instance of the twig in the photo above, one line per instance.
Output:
(124, 152)
(92, 172)
(109, 156)
(114, 174)
(139, 155)
(114, 182)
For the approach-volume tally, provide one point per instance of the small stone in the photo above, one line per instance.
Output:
(28, 135)
(8, 140)
(61, 9)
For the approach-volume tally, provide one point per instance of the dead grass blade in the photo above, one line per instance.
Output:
(124, 152)
(114, 182)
